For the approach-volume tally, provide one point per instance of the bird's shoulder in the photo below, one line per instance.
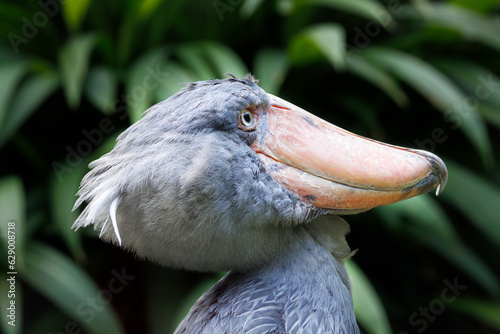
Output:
(237, 304)
(256, 303)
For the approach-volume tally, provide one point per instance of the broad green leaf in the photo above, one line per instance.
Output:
(330, 39)
(74, 58)
(69, 287)
(478, 6)
(482, 310)
(13, 213)
(369, 310)
(249, 7)
(145, 77)
(6, 297)
(12, 10)
(439, 91)
(31, 94)
(462, 257)
(147, 7)
(270, 69)
(476, 198)
(369, 9)
(62, 198)
(421, 218)
(378, 77)
(327, 39)
(491, 114)
(424, 213)
(481, 84)
(74, 12)
(196, 61)
(471, 25)
(285, 7)
(11, 73)
(225, 60)
(7, 56)
(175, 81)
(101, 88)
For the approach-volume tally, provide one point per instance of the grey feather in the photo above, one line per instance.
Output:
(282, 297)
(192, 194)
(112, 213)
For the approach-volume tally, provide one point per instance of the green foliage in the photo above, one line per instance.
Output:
(66, 285)
(370, 312)
(325, 40)
(476, 198)
(422, 74)
(74, 58)
(438, 89)
(484, 311)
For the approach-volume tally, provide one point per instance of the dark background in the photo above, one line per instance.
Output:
(422, 74)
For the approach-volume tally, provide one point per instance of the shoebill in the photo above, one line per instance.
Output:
(224, 176)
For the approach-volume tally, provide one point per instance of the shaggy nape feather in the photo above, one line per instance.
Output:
(183, 188)
(112, 213)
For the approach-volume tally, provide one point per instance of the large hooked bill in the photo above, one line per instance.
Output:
(335, 169)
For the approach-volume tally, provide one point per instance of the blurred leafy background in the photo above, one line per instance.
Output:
(419, 73)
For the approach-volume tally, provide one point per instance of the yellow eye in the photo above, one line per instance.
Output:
(246, 120)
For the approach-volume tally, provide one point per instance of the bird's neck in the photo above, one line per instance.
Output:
(306, 289)
(311, 280)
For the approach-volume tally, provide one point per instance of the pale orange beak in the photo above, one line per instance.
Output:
(332, 168)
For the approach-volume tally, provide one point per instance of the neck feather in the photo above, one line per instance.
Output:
(306, 289)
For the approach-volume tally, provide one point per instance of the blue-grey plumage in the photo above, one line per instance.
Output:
(304, 291)
(224, 176)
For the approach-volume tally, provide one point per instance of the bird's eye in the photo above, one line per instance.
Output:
(246, 120)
